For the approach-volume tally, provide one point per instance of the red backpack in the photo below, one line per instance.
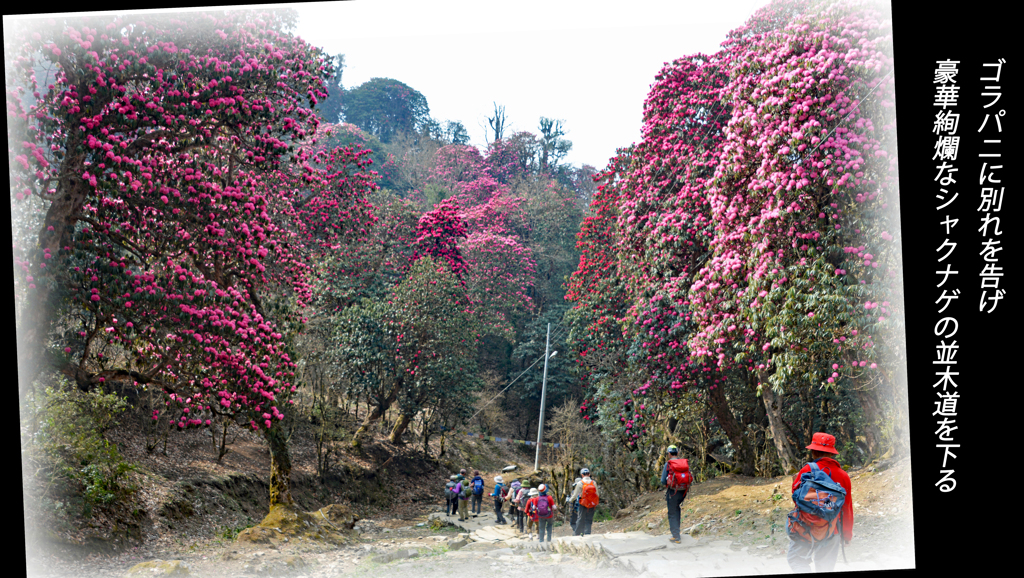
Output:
(679, 477)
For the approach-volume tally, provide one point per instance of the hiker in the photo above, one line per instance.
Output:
(676, 478)
(478, 493)
(465, 490)
(811, 535)
(531, 512)
(513, 505)
(499, 497)
(544, 507)
(521, 498)
(573, 506)
(588, 498)
(451, 506)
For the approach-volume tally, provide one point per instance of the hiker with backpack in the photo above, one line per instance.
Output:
(573, 506)
(521, 498)
(531, 512)
(464, 491)
(478, 493)
(499, 498)
(822, 521)
(510, 497)
(676, 478)
(543, 507)
(451, 506)
(587, 494)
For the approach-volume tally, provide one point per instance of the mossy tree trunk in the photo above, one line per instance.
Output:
(376, 414)
(280, 467)
(400, 426)
(733, 430)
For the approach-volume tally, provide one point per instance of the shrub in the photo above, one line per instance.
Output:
(72, 455)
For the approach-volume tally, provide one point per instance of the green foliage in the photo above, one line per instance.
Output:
(230, 533)
(75, 458)
(439, 327)
(553, 147)
(603, 514)
(434, 193)
(330, 108)
(385, 107)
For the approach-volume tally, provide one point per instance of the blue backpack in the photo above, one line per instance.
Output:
(819, 500)
(478, 487)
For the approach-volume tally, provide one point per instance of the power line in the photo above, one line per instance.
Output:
(506, 387)
(563, 329)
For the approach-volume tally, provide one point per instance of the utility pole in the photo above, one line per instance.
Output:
(543, 395)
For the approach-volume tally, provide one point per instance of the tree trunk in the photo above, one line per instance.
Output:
(773, 407)
(39, 311)
(400, 426)
(744, 453)
(375, 414)
(872, 417)
(426, 440)
(280, 467)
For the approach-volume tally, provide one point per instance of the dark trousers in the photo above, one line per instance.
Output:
(585, 521)
(451, 507)
(674, 501)
(512, 512)
(477, 500)
(497, 511)
(542, 525)
(574, 517)
(519, 519)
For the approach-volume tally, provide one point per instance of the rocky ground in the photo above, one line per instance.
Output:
(733, 524)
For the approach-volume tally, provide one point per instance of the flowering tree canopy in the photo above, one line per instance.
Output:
(748, 229)
(178, 207)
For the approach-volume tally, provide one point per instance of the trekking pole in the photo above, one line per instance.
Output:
(842, 543)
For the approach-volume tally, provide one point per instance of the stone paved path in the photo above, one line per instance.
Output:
(637, 553)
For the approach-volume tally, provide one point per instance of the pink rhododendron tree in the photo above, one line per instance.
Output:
(173, 225)
(751, 238)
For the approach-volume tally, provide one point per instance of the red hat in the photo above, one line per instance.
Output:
(823, 442)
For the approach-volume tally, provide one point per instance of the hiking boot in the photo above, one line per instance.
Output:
(675, 540)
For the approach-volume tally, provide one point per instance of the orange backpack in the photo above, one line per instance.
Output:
(588, 497)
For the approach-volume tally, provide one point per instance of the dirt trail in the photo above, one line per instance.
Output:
(194, 506)
(735, 526)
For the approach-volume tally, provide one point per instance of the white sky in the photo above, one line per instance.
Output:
(589, 64)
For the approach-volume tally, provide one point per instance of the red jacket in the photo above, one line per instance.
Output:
(531, 507)
(832, 468)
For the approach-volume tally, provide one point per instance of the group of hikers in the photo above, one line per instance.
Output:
(819, 525)
(531, 509)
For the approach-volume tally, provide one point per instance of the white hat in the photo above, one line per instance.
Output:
(498, 480)
(534, 492)
(542, 488)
